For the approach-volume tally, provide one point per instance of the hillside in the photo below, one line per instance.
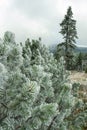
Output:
(81, 49)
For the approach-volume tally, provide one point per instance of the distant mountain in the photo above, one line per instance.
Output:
(52, 49)
(81, 49)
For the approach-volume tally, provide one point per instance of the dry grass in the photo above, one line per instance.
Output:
(78, 77)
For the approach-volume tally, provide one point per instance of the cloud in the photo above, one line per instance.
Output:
(36, 18)
(42, 15)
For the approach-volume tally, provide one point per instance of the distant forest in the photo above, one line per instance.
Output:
(52, 49)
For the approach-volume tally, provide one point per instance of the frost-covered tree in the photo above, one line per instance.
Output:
(34, 92)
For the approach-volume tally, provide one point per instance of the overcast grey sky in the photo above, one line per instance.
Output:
(41, 18)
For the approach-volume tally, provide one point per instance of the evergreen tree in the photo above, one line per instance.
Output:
(68, 30)
(79, 61)
(35, 96)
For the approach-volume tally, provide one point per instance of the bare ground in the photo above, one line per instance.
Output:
(78, 77)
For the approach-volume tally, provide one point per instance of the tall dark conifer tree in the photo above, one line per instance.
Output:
(69, 32)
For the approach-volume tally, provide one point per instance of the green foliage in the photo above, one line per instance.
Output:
(34, 90)
(68, 30)
(79, 61)
(78, 116)
(86, 70)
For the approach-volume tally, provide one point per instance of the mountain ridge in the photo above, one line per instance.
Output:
(78, 49)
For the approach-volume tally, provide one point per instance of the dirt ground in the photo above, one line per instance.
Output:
(78, 77)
